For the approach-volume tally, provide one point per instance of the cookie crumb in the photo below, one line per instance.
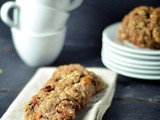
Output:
(1, 71)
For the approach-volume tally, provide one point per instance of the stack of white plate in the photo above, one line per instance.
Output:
(127, 59)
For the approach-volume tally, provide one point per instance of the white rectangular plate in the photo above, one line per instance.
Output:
(93, 111)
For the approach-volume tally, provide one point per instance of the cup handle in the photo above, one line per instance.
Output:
(75, 4)
(5, 13)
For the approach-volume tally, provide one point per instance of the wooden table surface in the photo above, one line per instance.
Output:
(134, 99)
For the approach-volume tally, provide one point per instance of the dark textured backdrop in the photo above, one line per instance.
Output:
(83, 45)
(88, 21)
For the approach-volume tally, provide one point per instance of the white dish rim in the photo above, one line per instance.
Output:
(113, 28)
(129, 69)
(130, 60)
(129, 54)
(135, 66)
(132, 75)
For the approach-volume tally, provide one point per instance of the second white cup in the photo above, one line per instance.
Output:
(34, 18)
(64, 5)
(37, 49)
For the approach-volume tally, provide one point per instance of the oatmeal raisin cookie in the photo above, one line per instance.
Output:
(142, 27)
(68, 90)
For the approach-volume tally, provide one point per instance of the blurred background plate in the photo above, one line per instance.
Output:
(110, 35)
(130, 65)
(129, 74)
(129, 54)
(131, 60)
(130, 69)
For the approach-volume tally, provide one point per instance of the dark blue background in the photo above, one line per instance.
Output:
(134, 99)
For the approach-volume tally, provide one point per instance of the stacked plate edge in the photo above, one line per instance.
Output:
(126, 59)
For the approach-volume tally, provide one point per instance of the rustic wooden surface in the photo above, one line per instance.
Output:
(134, 99)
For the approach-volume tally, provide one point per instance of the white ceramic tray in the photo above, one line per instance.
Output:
(93, 111)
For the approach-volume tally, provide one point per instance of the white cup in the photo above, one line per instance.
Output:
(37, 49)
(33, 18)
(64, 5)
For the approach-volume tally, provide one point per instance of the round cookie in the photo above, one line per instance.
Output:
(141, 26)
